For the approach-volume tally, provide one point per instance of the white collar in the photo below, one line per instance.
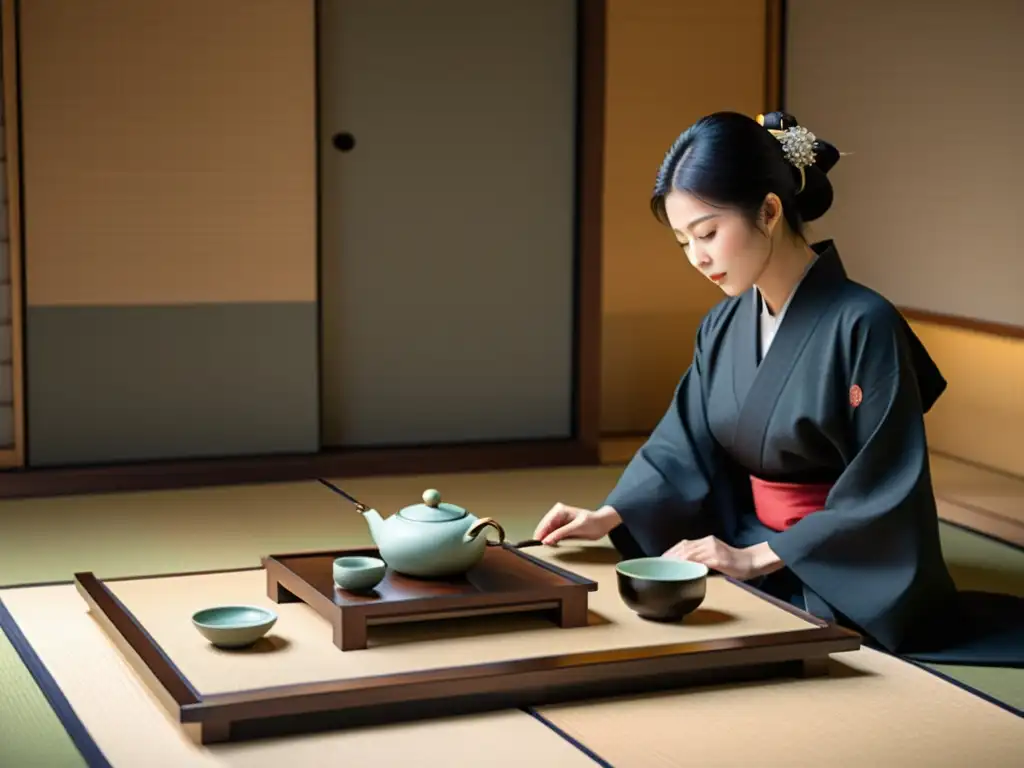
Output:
(766, 314)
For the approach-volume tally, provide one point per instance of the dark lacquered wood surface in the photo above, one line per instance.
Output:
(505, 578)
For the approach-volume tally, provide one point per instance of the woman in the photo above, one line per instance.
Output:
(793, 454)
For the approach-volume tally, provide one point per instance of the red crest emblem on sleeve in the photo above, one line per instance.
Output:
(856, 396)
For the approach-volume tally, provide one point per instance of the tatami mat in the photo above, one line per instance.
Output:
(854, 718)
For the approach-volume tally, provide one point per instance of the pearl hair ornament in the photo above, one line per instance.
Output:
(797, 147)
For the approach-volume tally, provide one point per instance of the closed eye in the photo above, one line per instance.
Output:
(706, 237)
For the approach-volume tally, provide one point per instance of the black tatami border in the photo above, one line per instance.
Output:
(62, 708)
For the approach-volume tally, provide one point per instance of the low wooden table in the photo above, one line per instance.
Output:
(506, 580)
(297, 678)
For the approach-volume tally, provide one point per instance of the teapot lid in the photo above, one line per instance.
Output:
(432, 510)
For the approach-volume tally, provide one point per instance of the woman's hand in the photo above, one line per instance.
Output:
(565, 522)
(742, 564)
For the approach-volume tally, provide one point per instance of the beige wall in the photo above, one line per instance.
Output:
(169, 151)
(946, 264)
(669, 62)
(981, 416)
(912, 193)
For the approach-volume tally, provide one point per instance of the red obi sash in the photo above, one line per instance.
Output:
(781, 505)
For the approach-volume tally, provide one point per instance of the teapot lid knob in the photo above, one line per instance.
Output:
(431, 497)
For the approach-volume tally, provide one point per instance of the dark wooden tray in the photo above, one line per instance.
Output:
(506, 580)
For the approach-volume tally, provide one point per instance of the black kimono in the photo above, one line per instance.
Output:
(839, 399)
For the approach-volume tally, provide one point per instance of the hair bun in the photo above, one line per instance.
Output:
(777, 121)
(825, 155)
(816, 195)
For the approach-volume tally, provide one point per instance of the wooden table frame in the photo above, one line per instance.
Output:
(263, 712)
(561, 594)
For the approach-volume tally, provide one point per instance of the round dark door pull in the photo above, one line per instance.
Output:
(343, 142)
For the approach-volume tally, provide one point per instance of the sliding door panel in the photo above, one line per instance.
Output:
(447, 220)
(170, 228)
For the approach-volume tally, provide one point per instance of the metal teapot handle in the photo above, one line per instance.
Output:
(482, 523)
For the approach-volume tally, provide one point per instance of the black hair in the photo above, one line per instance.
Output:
(731, 160)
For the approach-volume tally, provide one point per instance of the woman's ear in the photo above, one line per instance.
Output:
(771, 213)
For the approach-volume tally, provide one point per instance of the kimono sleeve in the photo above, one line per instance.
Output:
(873, 554)
(662, 492)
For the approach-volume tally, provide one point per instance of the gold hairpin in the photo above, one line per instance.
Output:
(798, 147)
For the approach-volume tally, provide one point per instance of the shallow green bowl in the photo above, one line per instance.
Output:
(233, 626)
(661, 588)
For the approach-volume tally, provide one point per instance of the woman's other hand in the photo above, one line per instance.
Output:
(742, 564)
(565, 522)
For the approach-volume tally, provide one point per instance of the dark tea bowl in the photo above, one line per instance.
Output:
(660, 588)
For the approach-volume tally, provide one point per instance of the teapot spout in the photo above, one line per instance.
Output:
(374, 520)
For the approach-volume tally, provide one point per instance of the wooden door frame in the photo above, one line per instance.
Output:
(582, 449)
(13, 456)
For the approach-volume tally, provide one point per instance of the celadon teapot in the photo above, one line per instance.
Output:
(433, 539)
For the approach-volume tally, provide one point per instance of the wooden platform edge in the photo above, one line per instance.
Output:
(536, 681)
(136, 645)
(782, 604)
(147, 659)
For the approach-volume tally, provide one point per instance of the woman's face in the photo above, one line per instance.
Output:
(720, 242)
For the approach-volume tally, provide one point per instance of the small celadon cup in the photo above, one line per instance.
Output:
(358, 573)
(233, 626)
(661, 588)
